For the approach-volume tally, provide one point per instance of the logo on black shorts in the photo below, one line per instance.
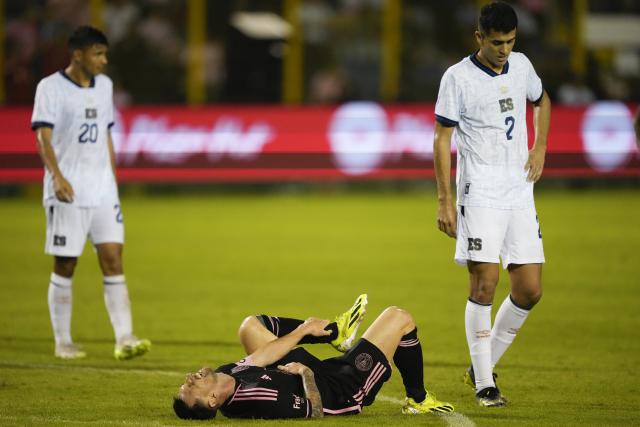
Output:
(59, 240)
(364, 362)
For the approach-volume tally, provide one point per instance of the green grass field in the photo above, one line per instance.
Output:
(197, 265)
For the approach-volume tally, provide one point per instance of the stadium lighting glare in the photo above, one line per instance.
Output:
(261, 25)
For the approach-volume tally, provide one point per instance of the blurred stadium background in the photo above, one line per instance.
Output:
(302, 132)
(293, 90)
(316, 51)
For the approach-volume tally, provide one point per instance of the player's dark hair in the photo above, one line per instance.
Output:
(85, 36)
(497, 16)
(194, 412)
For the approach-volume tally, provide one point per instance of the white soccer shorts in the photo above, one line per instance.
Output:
(68, 227)
(488, 235)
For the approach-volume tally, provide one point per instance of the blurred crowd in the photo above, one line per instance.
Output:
(342, 55)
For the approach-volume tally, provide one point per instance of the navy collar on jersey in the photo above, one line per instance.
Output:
(91, 84)
(476, 61)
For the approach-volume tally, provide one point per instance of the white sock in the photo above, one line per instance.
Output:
(477, 321)
(116, 298)
(59, 298)
(508, 322)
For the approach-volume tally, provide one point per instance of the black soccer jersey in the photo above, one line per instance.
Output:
(346, 384)
(264, 393)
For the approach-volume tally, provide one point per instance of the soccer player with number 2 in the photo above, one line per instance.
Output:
(72, 117)
(484, 99)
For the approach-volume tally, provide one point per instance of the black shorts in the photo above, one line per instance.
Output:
(347, 382)
(360, 372)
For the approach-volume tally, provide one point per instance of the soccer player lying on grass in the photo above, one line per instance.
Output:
(278, 380)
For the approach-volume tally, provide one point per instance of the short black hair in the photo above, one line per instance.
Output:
(85, 36)
(497, 16)
(194, 412)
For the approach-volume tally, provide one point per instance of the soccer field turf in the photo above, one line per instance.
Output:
(197, 265)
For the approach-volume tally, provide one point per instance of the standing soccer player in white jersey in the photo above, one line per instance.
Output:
(72, 117)
(484, 97)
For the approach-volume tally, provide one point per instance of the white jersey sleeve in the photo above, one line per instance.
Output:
(110, 108)
(534, 84)
(448, 105)
(44, 109)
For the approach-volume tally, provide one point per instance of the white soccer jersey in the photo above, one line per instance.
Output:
(80, 118)
(489, 113)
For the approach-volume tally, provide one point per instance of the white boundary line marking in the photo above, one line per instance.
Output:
(66, 421)
(8, 364)
(454, 419)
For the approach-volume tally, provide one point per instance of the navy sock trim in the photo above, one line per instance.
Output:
(479, 303)
(58, 285)
(516, 304)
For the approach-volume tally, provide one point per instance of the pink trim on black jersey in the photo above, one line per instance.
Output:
(355, 408)
(256, 393)
(234, 395)
(239, 399)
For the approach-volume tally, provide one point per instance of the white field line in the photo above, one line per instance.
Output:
(67, 421)
(8, 364)
(454, 419)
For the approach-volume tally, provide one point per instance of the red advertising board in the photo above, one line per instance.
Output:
(362, 140)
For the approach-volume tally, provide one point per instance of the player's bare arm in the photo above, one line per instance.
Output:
(277, 349)
(541, 120)
(62, 187)
(112, 154)
(309, 383)
(447, 221)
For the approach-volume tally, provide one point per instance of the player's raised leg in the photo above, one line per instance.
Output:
(394, 332)
(254, 334)
(483, 279)
(116, 298)
(255, 331)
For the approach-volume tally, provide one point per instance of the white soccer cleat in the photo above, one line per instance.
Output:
(69, 351)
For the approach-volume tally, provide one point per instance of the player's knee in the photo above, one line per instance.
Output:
(533, 297)
(111, 264)
(65, 266)
(248, 324)
(527, 299)
(487, 285)
(482, 291)
(402, 318)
